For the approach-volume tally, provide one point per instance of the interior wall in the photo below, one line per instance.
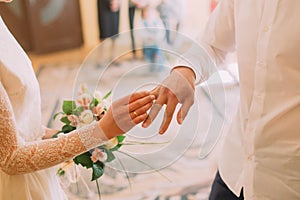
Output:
(89, 22)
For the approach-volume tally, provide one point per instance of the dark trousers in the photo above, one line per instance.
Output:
(131, 20)
(220, 191)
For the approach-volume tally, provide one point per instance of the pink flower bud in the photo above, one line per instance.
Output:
(98, 155)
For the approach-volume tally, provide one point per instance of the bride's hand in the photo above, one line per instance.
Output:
(125, 113)
(49, 133)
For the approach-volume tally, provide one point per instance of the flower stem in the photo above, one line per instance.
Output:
(146, 165)
(98, 189)
(141, 143)
(76, 178)
(127, 176)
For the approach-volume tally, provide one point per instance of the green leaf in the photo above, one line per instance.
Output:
(59, 113)
(79, 109)
(117, 147)
(65, 120)
(84, 160)
(107, 95)
(121, 138)
(94, 103)
(98, 170)
(110, 155)
(67, 128)
(68, 107)
(61, 172)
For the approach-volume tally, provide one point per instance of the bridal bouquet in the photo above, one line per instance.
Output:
(84, 110)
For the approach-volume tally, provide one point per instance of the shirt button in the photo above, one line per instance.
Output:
(249, 158)
(266, 28)
(259, 96)
(250, 128)
(261, 64)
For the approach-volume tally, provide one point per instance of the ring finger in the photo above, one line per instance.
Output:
(140, 111)
(141, 103)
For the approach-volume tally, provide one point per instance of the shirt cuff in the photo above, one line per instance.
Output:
(183, 63)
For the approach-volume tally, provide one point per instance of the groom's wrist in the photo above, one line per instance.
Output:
(187, 72)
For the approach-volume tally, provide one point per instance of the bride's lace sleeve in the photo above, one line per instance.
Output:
(16, 158)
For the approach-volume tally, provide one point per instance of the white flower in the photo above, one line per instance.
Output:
(80, 125)
(112, 143)
(98, 155)
(86, 117)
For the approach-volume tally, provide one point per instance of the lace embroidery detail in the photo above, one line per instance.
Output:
(18, 159)
(92, 135)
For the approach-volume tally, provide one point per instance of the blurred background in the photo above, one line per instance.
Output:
(51, 30)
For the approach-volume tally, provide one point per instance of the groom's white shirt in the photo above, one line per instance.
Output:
(262, 149)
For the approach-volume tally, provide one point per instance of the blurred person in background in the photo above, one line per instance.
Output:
(108, 22)
(108, 18)
(153, 36)
(171, 12)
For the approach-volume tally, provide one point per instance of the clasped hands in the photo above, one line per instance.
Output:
(125, 113)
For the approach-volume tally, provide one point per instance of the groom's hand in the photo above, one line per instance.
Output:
(178, 87)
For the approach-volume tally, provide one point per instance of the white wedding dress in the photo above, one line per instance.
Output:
(27, 161)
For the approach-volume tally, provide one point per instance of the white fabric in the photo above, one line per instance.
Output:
(262, 150)
(41, 184)
(26, 161)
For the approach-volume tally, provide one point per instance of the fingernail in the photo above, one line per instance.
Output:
(144, 125)
(180, 121)
(152, 96)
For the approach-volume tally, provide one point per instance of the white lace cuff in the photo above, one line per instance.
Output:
(92, 135)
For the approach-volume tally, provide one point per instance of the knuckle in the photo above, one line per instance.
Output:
(165, 90)
(192, 101)
(171, 94)
(130, 107)
(143, 110)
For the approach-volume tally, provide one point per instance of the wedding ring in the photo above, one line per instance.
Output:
(135, 114)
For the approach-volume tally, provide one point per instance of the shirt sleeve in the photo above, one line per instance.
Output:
(19, 158)
(212, 46)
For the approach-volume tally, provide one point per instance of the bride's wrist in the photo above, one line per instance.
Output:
(105, 130)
